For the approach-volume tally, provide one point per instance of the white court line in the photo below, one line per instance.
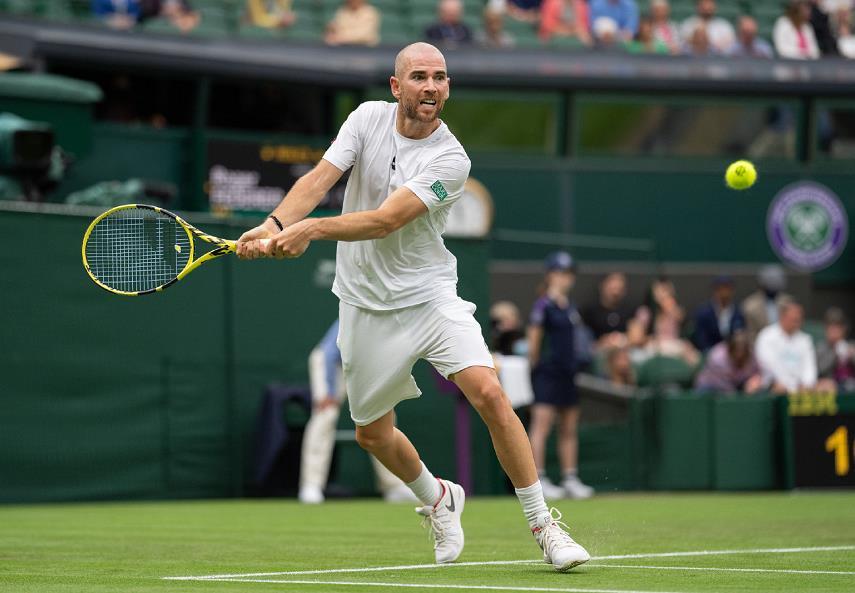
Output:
(431, 586)
(714, 569)
(508, 562)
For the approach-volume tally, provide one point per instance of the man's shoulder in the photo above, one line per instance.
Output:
(369, 109)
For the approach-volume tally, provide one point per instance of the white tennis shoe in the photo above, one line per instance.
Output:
(559, 549)
(443, 520)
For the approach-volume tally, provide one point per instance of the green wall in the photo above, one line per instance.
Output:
(104, 396)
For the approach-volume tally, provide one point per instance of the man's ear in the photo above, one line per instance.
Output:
(395, 86)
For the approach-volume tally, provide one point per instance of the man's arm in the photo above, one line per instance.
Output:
(301, 199)
(401, 207)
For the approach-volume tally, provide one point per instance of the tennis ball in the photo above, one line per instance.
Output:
(740, 175)
(178, 248)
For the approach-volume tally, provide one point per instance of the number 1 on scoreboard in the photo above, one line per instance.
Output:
(838, 443)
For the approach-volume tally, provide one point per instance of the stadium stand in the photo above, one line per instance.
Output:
(403, 20)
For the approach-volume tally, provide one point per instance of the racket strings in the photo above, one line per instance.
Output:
(135, 250)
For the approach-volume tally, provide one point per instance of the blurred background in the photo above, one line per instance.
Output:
(598, 128)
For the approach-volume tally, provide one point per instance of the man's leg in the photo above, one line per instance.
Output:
(443, 500)
(318, 442)
(481, 387)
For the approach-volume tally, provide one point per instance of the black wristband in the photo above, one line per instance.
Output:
(276, 220)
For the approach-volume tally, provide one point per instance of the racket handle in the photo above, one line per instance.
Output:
(264, 242)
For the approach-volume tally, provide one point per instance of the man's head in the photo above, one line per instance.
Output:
(790, 317)
(450, 11)
(747, 30)
(660, 10)
(354, 4)
(613, 289)
(505, 316)
(421, 82)
(723, 290)
(706, 8)
(605, 31)
(772, 279)
(836, 325)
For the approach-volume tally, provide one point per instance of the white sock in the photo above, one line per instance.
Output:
(426, 487)
(533, 503)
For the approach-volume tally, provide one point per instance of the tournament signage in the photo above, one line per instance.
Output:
(807, 226)
(254, 176)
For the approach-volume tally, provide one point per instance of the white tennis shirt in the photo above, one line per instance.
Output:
(411, 265)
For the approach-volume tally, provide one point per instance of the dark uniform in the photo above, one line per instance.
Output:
(552, 378)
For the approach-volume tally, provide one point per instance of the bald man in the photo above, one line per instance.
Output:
(397, 287)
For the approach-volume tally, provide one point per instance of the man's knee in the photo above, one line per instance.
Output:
(372, 439)
(489, 398)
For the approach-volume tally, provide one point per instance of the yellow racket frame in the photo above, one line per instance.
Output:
(223, 247)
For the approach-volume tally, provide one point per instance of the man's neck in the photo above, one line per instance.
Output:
(413, 129)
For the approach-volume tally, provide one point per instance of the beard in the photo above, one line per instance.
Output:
(411, 110)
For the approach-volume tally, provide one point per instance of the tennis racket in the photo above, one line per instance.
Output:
(138, 249)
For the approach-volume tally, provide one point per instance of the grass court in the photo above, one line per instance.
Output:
(656, 543)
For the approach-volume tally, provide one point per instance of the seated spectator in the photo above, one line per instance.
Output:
(719, 33)
(605, 32)
(117, 14)
(730, 367)
(619, 367)
(661, 300)
(179, 13)
(664, 29)
(494, 35)
(270, 14)
(645, 41)
(565, 18)
(527, 11)
(793, 34)
(624, 13)
(835, 356)
(820, 22)
(718, 318)
(607, 319)
(356, 22)
(506, 329)
(699, 43)
(785, 353)
(747, 43)
(761, 307)
(666, 341)
(449, 30)
(842, 23)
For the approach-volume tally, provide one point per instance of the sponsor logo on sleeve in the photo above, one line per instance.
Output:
(439, 190)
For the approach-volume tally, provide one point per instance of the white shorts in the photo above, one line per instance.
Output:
(379, 349)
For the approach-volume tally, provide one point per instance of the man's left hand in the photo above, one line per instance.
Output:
(291, 242)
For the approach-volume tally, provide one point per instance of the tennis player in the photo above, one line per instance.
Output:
(397, 286)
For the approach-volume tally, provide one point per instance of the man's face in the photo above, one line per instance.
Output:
(706, 8)
(423, 88)
(450, 12)
(747, 30)
(724, 294)
(791, 319)
(614, 287)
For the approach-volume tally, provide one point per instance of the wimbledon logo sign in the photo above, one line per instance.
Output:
(807, 226)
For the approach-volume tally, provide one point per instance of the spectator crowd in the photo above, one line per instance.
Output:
(723, 346)
(805, 29)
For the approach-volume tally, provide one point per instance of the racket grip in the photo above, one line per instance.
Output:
(264, 242)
